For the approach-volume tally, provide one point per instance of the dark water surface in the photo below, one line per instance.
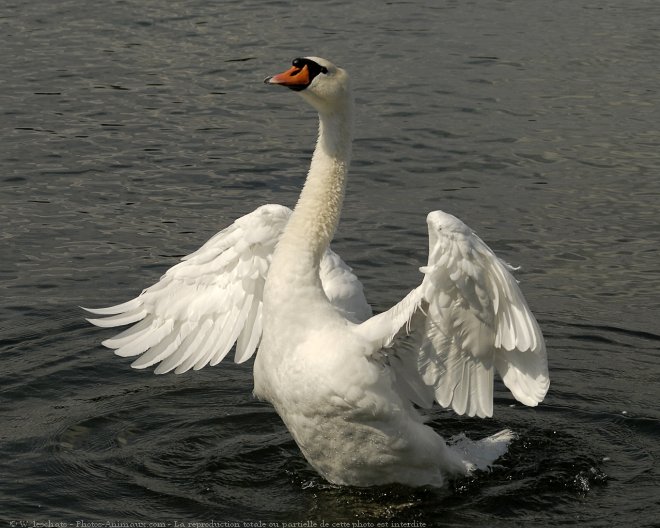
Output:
(132, 131)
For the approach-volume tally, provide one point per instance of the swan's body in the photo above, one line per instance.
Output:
(343, 382)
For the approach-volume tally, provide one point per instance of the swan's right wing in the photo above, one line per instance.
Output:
(202, 306)
(467, 319)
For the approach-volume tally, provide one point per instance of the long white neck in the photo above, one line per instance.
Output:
(316, 215)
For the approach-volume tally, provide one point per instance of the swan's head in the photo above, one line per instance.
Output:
(325, 86)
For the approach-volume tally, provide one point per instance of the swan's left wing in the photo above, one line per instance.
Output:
(343, 289)
(467, 319)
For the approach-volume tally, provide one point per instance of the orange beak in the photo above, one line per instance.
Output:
(296, 78)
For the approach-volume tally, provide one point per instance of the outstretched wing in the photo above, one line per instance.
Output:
(467, 319)
(213, 298)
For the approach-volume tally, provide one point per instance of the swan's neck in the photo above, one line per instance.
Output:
(316, 215)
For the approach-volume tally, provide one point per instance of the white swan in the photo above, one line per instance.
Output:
(344, 382)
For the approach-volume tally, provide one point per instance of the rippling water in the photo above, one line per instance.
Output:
(132, 131)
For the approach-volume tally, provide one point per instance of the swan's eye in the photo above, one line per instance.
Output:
(314, 67)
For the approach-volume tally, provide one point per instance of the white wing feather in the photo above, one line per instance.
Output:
(212, 299)
(343, 288)
(469, 318)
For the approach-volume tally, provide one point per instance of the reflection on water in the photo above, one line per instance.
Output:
(134, 131)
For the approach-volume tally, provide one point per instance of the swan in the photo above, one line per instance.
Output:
(348, 385)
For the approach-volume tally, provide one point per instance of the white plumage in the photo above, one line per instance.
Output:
(213, 299)
(344, 382)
